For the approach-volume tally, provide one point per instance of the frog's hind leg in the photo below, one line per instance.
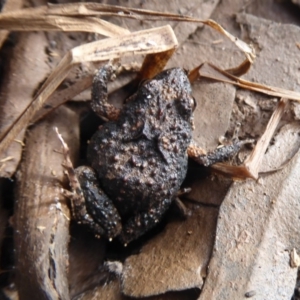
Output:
(90, 205)
(143, 221)
(100, 213)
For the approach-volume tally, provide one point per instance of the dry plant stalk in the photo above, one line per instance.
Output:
(210, 71)
(254, 160)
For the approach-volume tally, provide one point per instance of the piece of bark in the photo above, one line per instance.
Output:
(41, 218)
(27, 67)
(174, 260)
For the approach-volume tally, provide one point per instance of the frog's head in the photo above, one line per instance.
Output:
(171, 88)
(176, 88)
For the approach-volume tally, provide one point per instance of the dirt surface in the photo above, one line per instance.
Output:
(239, 239)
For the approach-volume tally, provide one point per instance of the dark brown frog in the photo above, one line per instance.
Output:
(138, 159)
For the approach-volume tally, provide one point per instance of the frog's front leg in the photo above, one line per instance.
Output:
(143, 221)
(220, 154)
(209, 158)
(99, 102)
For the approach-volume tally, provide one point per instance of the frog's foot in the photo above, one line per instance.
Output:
(220, 154)
(90, 205)
(99, 101)
(143, 222)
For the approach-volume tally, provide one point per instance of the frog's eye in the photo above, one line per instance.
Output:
(143, 82)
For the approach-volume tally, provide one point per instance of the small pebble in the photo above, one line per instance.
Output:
(250, 294)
